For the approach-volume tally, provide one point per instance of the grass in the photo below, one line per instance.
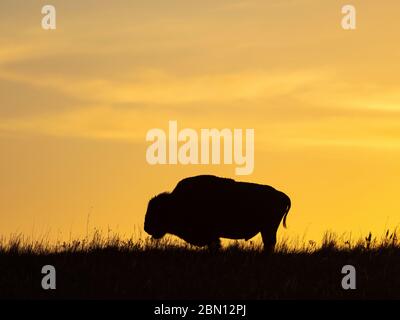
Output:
(114, 268)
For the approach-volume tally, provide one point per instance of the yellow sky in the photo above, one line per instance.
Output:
(76, 103)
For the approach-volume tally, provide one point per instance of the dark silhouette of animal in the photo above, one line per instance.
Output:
(204, 208)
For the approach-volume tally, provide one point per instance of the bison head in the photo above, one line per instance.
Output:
(155, 222)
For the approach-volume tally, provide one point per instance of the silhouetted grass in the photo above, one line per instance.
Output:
(111, 267)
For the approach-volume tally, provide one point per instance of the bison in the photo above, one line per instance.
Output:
(204, 208)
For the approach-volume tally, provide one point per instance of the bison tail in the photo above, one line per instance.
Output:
(287, 208)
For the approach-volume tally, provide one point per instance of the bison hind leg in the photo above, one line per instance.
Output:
(269, 240)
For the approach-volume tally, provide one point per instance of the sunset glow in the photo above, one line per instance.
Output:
(76, 104)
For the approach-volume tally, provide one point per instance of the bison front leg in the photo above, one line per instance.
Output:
(269, 240)
(214, 246)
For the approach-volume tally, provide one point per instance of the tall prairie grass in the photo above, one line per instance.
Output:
(21, 244)
(106, 265)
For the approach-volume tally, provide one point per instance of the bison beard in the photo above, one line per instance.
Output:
(202, 209)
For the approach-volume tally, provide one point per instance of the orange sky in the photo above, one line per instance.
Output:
(76, 103)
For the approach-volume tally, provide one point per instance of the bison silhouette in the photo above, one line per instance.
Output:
(204, 208)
